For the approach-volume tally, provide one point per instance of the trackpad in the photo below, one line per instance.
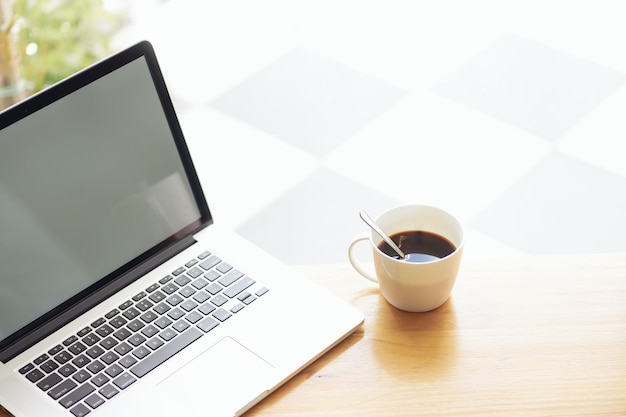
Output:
(220, 381)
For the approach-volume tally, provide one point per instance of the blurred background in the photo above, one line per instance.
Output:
(508, 114)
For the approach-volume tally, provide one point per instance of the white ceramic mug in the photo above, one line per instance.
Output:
(413, 286)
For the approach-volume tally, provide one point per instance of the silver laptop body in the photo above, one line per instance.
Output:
(118, 295)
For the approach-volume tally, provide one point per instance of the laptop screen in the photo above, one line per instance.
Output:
(93, 181)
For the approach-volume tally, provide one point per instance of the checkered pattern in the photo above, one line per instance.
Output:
(510, 115)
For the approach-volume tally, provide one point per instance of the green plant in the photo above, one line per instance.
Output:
(55, 38)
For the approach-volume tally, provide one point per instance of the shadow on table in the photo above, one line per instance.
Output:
(413, 346)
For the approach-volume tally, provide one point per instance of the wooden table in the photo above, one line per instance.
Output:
(528, 337)
(525, 336)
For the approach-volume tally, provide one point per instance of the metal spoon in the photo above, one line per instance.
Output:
(368, 220)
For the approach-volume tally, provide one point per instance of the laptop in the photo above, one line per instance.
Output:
(118, 294)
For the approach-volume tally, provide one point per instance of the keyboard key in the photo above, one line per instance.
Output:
(62, 357)
(208, 324)
(127, 361)
(162, 308)
(81, 376)
(94, 401)
(149, 331)
(99, 380)
(67, 370)
(75, 396)
(110, 314)
(152, 288)
(175, 299)
(83, 331)
(80, 361)
(158, 357)
(105, 330)
(49, 381)
(210, 262)
(139, 296)
(224, 267)
(49, 366)
(141, 352)
(131, 313)
(100, 321)
(169, 289)
(212, 275)
(168, 334)
(41, 359)
(261, 292)
(118, 322)
(204, 254)
(94, 351)
(62, 389)
(206, 309)
(136, 339)
(157, 296)
(182, 280)
(80, 410)
(26, 368)
(165, 279)
(229, 278)
(109, 343)
(200, 283)
(237, 308)
(154, 343)
(148, 316)
(95, 367)
(181, 326)
(195, 272)
(222, 315)
(77, 348)
(123, 348)
(201, 297)
(136, 325)
(122, 334)
(188, 305)
(214, 288)
(114, 370)
(249, 299)
(187, 291)
(162, 322)
(70, 340)
(191, 263)
(108, 391)
(55, 350)
(176, 313)
(238, 287)
(194, 317)
(178, 271)
(90, 339)
(109, 357)
(243, 295)
(143, 305)
(124, 381)
(219, 300)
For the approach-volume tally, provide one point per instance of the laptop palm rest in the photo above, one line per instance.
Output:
(227, 371)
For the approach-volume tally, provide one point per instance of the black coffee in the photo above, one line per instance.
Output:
(419, 246)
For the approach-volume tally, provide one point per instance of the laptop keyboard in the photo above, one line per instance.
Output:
(103, 359)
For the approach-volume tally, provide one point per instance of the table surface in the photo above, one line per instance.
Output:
(523, 336)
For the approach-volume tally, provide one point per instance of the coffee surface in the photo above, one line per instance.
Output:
(419, 246)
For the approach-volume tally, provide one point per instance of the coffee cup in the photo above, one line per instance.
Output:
(433, 241)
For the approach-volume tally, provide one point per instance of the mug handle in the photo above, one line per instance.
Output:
(354, 260)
